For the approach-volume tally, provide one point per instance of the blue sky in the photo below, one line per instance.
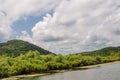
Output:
(27, 24)
(62, 26)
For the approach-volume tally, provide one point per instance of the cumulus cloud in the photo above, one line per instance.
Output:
(74, 26)
(13, 10)
(79, 25)
(25, 35)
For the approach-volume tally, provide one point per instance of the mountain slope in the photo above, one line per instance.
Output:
(104, 51)
(17, 47)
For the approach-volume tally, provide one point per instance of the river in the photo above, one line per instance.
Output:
(106, 72)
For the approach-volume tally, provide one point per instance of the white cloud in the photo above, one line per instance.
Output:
(24, 35)
(12, 10)
(76, 25)
(79, 25)
(5, 29)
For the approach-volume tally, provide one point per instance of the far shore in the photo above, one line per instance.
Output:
(57, 71)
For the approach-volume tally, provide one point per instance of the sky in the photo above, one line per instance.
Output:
(62, 26)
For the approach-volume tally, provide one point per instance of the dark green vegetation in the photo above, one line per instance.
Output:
(104, 52)
(33, 62)
(29, 59)
(17, 47)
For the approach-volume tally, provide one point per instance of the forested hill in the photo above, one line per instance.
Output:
(104, 51)
(32, 62)
(17, 47)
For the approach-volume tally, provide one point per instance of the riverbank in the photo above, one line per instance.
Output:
(58, 71)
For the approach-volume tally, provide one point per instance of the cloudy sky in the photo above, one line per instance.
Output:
(62, 26)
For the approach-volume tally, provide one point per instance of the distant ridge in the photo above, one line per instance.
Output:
(103, 52)
(17, 47)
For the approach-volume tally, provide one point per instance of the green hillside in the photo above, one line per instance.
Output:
(34, 62)
(17, 47)
(104, 51)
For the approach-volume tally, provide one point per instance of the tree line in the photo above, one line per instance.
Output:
(34, 62)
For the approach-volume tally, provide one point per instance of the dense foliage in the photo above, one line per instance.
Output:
(17, 47)
(33, 62)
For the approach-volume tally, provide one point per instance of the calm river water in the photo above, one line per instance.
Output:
(106, 72)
